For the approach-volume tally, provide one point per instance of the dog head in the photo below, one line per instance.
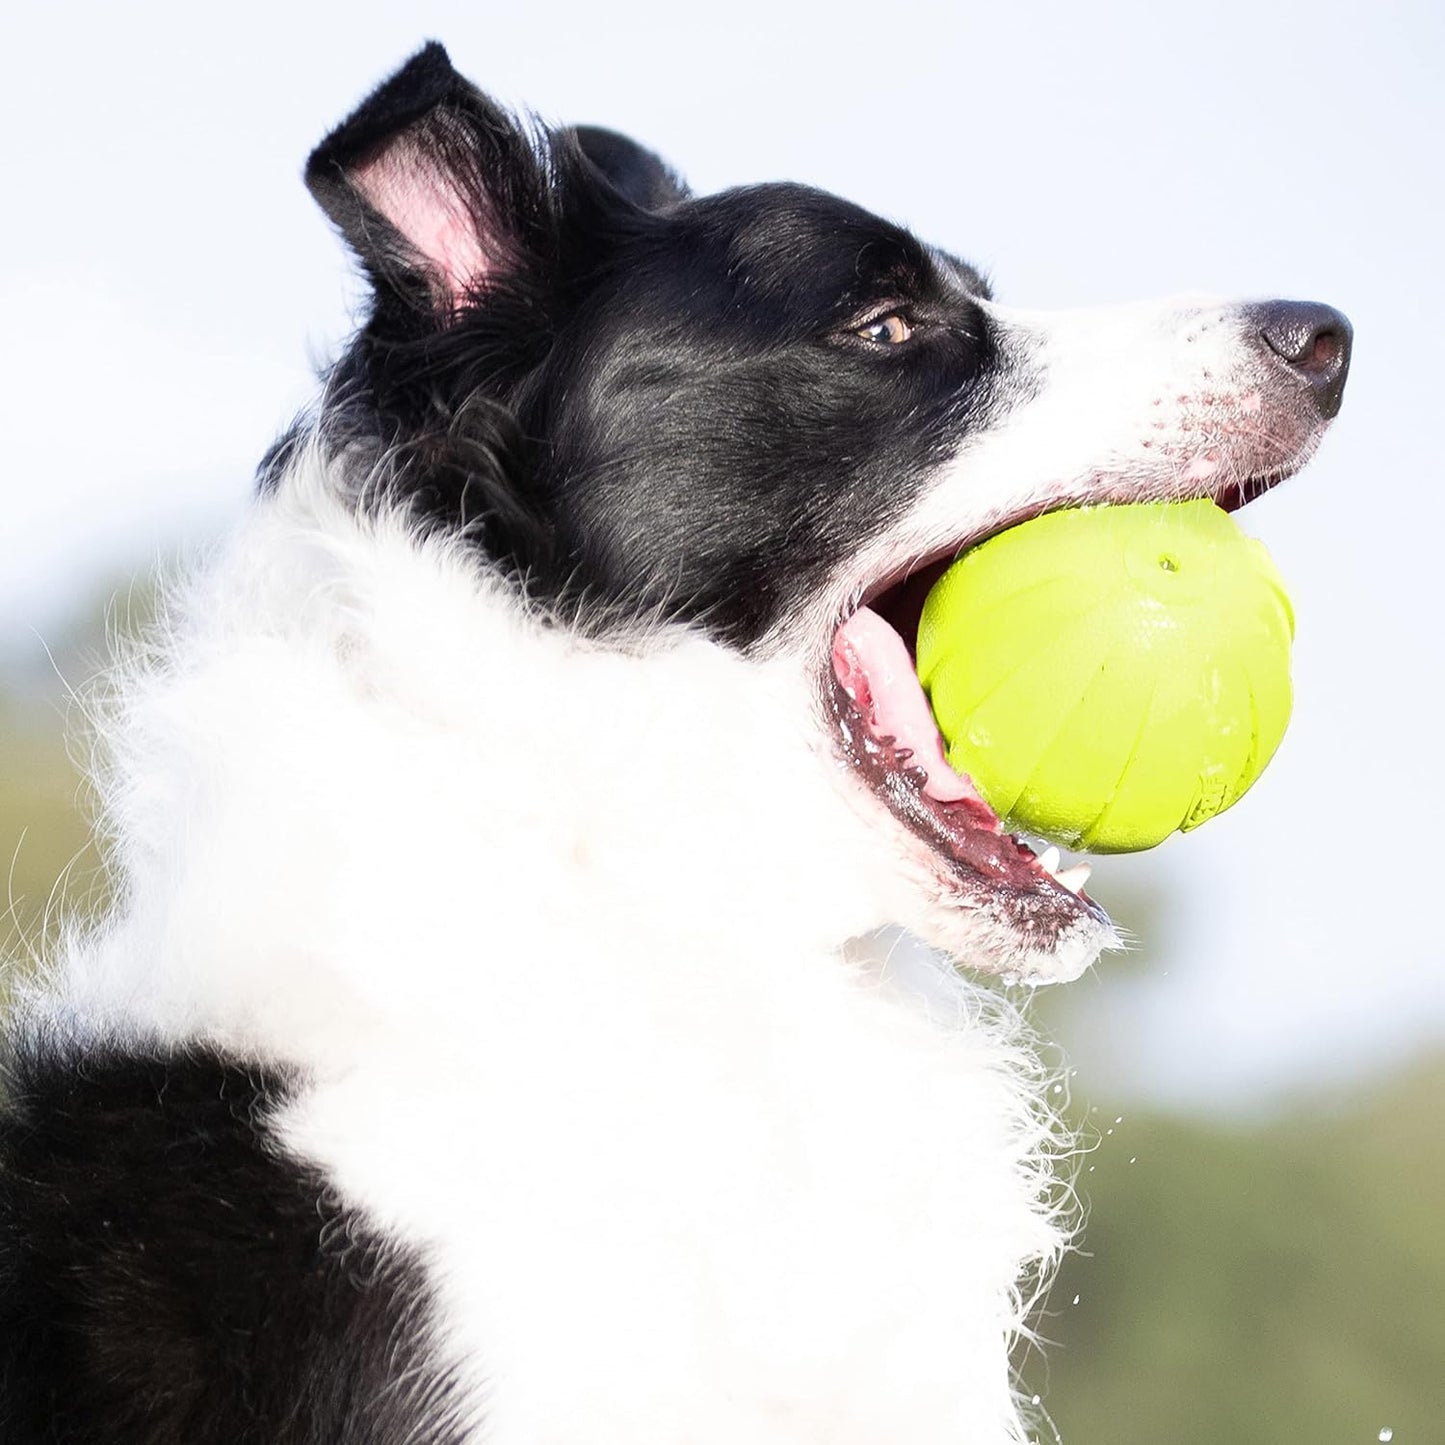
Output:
(770, 417)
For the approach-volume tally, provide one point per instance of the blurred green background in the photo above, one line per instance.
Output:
(1278, 1279)
(44, 844)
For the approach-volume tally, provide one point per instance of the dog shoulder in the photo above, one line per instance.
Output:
(167, 1271)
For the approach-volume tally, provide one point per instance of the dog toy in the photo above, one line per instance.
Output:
(1108, 675)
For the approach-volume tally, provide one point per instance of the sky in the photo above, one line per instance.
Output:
(167, 287)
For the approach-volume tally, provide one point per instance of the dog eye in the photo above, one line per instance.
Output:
(886, 331)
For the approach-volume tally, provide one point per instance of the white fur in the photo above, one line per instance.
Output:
(558, 933)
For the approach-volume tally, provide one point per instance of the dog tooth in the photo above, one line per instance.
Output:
(1049, 861)
(1074, 878)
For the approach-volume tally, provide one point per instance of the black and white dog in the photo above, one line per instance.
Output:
(480, 1048)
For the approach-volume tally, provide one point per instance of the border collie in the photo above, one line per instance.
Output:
(481, 1047)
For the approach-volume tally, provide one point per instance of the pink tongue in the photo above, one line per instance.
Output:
(873, 665)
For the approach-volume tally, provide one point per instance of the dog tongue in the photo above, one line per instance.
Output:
(874, 666)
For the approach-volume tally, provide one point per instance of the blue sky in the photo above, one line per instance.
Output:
(166, 283)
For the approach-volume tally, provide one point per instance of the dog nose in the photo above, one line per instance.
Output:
(1313, 341)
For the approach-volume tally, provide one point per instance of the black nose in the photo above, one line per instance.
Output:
(1313, 341)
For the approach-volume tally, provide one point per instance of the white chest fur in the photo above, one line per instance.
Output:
(558, 932)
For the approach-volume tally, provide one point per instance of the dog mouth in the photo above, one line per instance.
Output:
(1038, 922)
(888, 735)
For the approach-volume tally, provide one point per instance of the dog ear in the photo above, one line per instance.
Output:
(636, 173)
(440, 192)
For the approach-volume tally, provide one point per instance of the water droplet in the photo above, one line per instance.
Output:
(1387, 1434)
(1058, 1088)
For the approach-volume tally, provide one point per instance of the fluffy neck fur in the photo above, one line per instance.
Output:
(556, 932)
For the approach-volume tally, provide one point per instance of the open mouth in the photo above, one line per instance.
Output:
(889, 737)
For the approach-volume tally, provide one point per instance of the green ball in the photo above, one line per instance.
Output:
(1109, 675)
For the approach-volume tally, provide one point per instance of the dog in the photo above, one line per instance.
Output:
(487, 1043)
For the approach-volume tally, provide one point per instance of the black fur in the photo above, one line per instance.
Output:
(641, 177)
(649, 403)
(167, 1279)
(655, 403)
